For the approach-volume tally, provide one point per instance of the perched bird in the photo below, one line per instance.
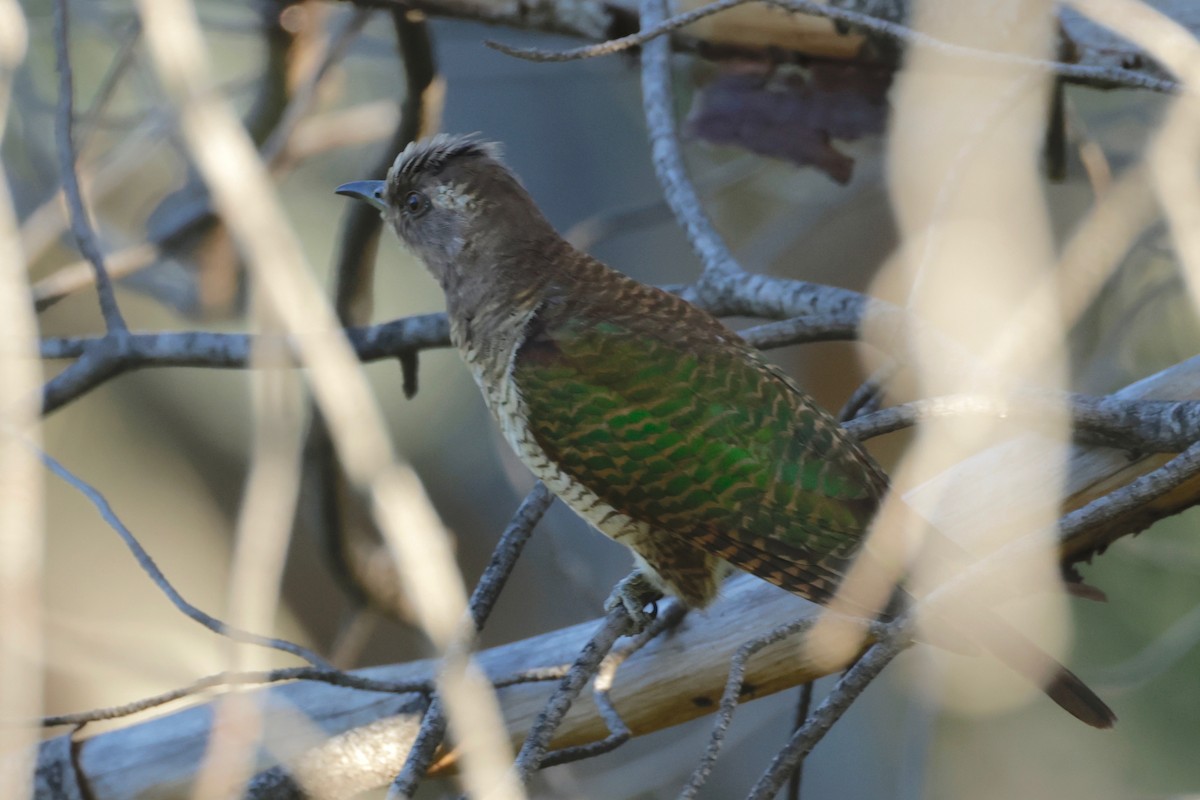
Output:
(652, 420)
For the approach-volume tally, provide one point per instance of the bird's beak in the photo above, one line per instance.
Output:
(371, 191)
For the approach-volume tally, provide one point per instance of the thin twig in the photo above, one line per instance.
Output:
(866, 399)
(1099, 512)
(483, 600)
(1104, 75)
(1149, 426)
(616, 623)
(803, 705)
(1132, 495)
(160, 580)
(533, 675)
(845, 692)
(420, 755)
(81, 228)
(103, 358)
(507, 552)
(618, 731)
(227, 679)
(800, 330)
(731, 698)
(659, 108)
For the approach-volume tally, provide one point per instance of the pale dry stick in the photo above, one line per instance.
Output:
(43, 226)
(263, 533)
(950, 189)
(1089, 258)
(972, 213)
(1173, 157)
(483, 599)
(1091, 154)
(101, 174)
(362, 124)
(21, 488)
(73, 277)
(243, 195)
(357, 559)
(335, 48)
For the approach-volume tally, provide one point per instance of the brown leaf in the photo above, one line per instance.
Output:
(793, 114)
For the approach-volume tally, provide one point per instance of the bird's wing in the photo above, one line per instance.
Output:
(690, 430)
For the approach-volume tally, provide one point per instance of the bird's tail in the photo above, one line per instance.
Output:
(1017, 652)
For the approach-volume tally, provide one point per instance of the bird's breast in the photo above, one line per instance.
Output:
(502, 395)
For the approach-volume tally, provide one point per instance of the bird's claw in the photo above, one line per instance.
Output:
(639, 600)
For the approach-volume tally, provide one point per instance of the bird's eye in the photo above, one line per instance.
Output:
(415, 202)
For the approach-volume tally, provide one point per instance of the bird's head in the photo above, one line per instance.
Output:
(456, 205)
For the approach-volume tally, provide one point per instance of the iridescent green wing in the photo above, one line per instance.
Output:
(691, 431)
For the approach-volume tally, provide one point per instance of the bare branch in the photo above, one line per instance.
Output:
(160, 580)
(1105, 75)
(585, 666)
(731, 697)
(602, 684)
(1148, 426)
(346, 680)
(803, 706)
(659, 107)
(483, 599)
(81, 228)
(1133, 496)
(847, 690)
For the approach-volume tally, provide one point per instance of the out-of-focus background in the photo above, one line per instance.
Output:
(168, 447)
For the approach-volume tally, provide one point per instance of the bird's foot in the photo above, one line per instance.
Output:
(638, 598)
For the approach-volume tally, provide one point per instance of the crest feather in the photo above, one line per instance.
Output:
(431, 155)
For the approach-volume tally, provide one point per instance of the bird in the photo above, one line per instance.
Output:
(648, 417)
